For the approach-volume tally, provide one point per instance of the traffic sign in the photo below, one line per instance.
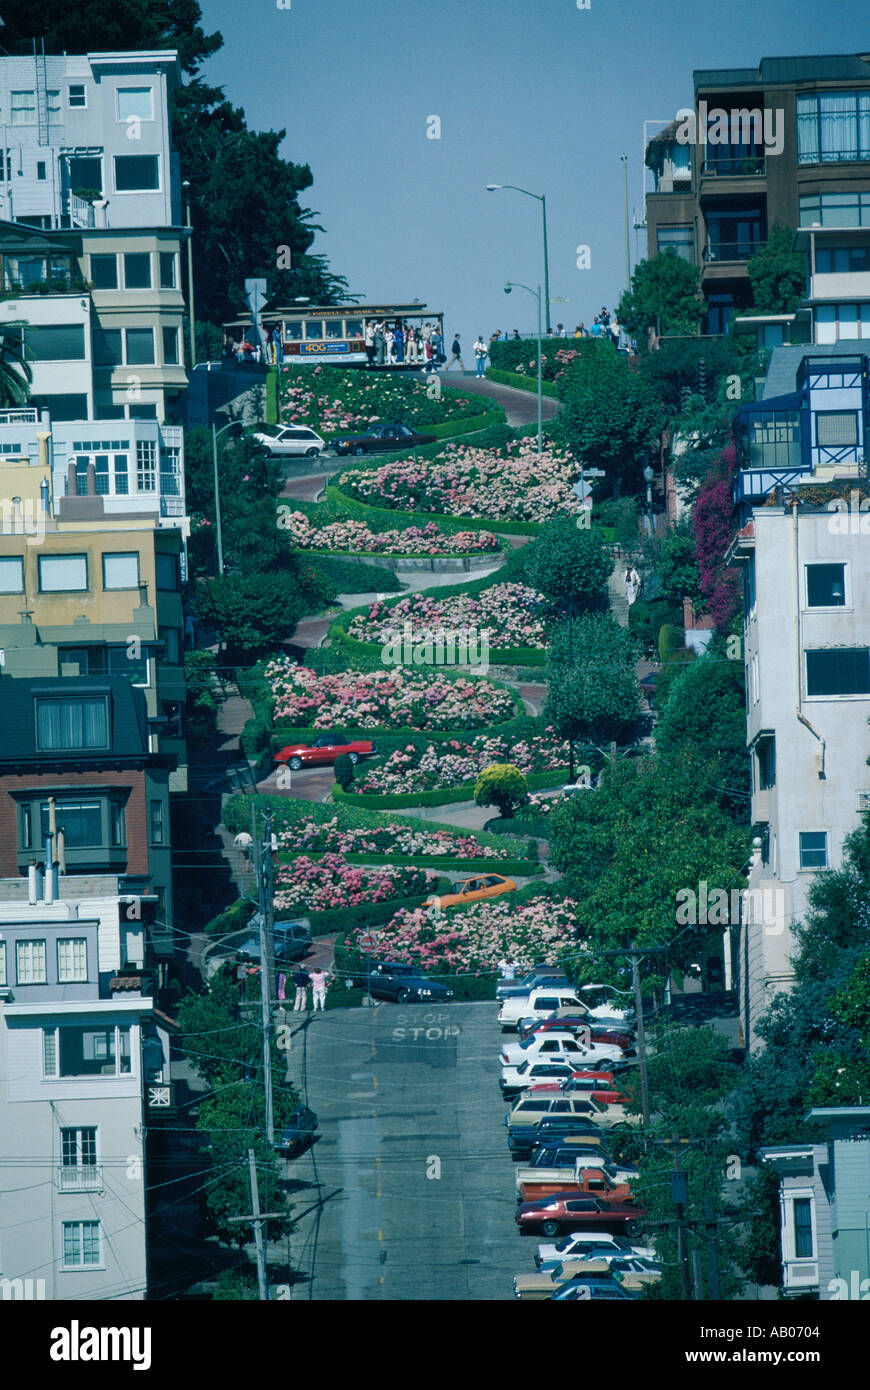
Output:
(367, 941)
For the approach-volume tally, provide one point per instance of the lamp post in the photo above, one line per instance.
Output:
(624, 158)
(189, 225)
(541, 198)
(233, 424)
(515, 284)
(648, 475)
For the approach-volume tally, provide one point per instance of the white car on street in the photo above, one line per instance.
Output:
(292, 441)
(557, 1047)
(590, 1245)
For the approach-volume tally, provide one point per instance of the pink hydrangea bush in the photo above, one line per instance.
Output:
(313, 837)
(316, 885)
(507, 612)
(356, 538)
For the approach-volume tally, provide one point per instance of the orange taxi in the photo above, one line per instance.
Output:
(475, 889)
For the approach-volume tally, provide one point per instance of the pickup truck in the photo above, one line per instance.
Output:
(537, 1181)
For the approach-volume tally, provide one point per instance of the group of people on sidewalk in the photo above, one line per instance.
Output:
(318, 980)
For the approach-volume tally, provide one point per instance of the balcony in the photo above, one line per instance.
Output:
(86, 1177)
(27, 415)
(731, 167)
(718, 252)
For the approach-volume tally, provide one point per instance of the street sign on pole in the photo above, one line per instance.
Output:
(367, 941)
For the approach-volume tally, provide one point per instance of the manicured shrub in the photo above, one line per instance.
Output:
(343, 771)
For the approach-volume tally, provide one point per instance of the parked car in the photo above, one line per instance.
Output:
(292, 941)
(475, 889)
(564, 1150)
(565, 1211)
(533, 979)
(534, 1181)
(524, 1139)
(292, 440)
(515, 1079)
(562, 1045)
(588, 1245)
(600, 1085)
(531, 1110)
(538, 1004)
(381, 437)
(405, 984)
(603, 1002)
(541, 1071)
(631, 1272)
(581, 1290)
(324, 750)
(575, 1020)
(298, 1133)
(544, 1283)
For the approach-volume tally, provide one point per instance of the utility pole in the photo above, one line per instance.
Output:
(712, 1230)
(265, 994)
(257, 1219)
(624, 158)
(679, 1190)
(641, 1035)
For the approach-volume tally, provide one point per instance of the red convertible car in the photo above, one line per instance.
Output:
(566, 1211)
(324, 750)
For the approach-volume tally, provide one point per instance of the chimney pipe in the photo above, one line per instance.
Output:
(32, 883)
(50, 883)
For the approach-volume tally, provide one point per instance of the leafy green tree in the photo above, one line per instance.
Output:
(664, 295)
(705, 709)
(251, 613)
(232, 1286)
(761, 1252)
(778, 274)
(200, 678)
(611, 415)
(676, 565)
(569, 566)
(652, 829)
(592, 690)
(501, 785)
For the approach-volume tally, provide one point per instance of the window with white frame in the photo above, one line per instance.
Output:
(91, 1050)
(799, 1228)
(72, 960)
(30, 963)
(836, 321)
(3, 979)
(826, 586)
(813, 846)
(81, 1244)
(78, 1153)
(146, 465)
(833, 671)
(77, 95)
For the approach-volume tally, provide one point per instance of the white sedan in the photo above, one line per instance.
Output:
(587, 1245)
(553, 1046)
(292, 440)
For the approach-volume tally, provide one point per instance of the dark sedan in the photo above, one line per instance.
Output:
(298, 1132)
(405, 984)
(381, 437)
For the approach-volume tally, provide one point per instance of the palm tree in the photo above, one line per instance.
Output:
(15, 371)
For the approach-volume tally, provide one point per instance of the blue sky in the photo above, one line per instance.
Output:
(532, 92)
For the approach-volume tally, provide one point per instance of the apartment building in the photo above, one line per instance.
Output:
(787, 142)
(86, 128)
(89, 591)
(805, 561)
(84, 1082)
(825, 1207)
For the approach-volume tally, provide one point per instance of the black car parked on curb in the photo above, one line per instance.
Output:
(404, 984)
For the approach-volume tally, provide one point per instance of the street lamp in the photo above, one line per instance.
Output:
(541, 198)
(536, 294)
(648, 475)
(186, 187)
(233, 424)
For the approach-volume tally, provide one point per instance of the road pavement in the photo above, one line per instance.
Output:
(409, 1193)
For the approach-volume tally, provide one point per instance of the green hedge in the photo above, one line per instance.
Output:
(522, 383)
(272, 396)
(349, 577)
(494, 416)
(540, 828)
(535, 781)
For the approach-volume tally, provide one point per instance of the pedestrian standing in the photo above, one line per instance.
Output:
(302, 980)
(282, 986)
(456, 350)
(370, 343)
(437, 347)
(380, 344)
(480, 351)
(318, 982)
